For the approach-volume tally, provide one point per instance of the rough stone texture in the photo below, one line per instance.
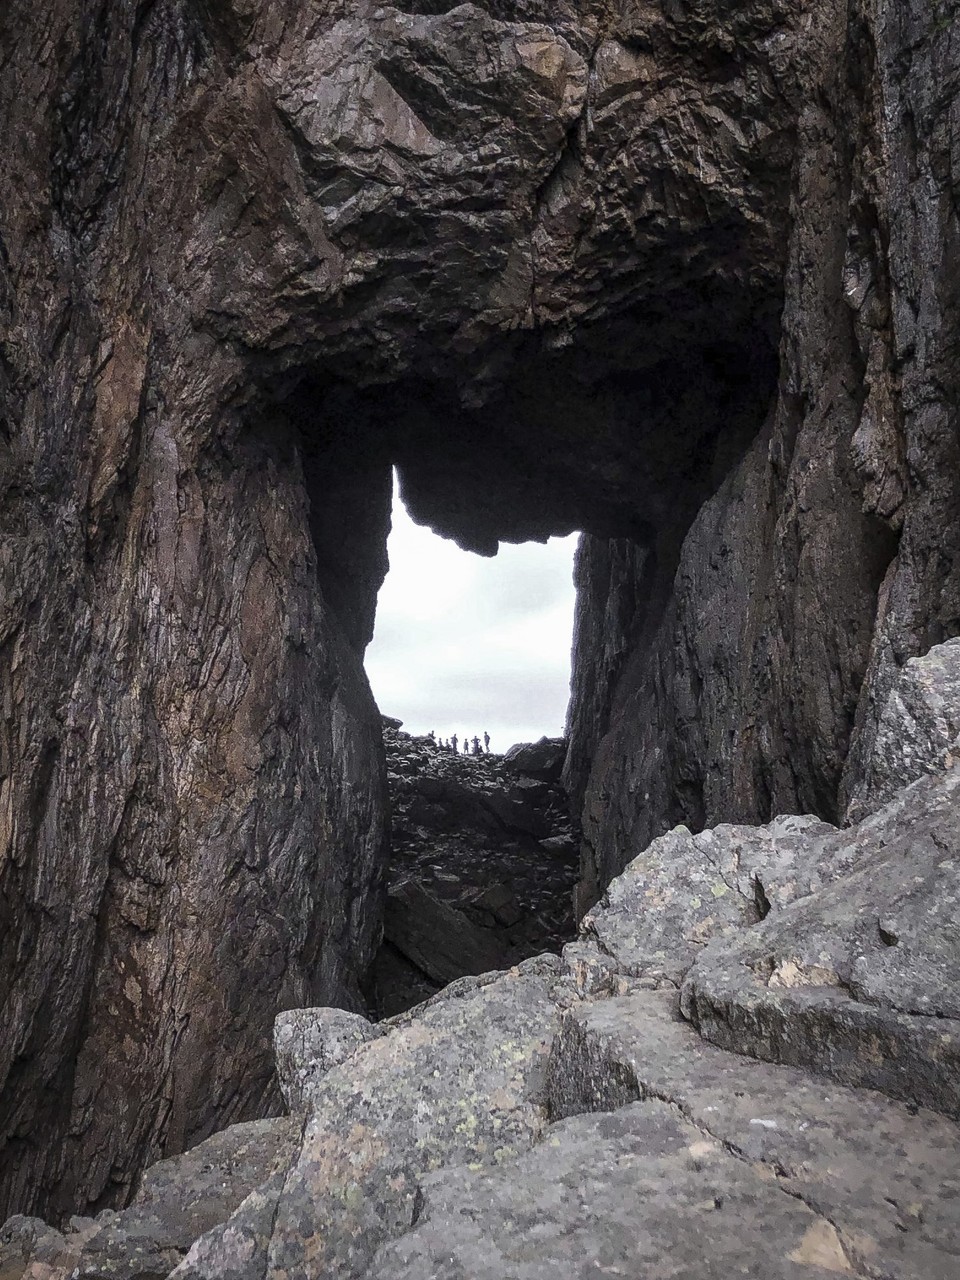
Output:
(885, 1176)
(542, 760)
(757, 670)
(458, 1080)
(918, 730)
(545, 259)
(637, 1193)
(307, 1043)
(178, 1201)
(561, 1120)
(437, 938)
(237, 1250)
(481, 870)
(685, 889)
(861, 980)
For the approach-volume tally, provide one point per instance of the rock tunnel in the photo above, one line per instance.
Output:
(562, 267)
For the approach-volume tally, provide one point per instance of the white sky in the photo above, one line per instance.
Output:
(465, 643)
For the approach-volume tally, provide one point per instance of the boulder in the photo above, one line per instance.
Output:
(861, 980)
(456, 1082)
(541, 760)
(308, 1043)
(179, 1200)
(438, 938)
(685, 889)
(918, 730)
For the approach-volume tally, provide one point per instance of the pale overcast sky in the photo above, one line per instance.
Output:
(465, 643)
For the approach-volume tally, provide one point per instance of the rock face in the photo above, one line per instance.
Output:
(918, 730)
(682, 276)
(862, 980)
(751, 678)
(179, 1201)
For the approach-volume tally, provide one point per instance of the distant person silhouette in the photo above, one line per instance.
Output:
(453, 742)
(476, 746)
(486, 742)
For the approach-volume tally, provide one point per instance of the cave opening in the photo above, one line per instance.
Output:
(470, 657)
(473, 647)
(616, 429)
(615, 432)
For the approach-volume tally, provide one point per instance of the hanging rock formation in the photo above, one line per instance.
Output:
(680, 274)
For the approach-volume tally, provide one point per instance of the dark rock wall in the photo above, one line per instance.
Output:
(253, 253)
(193, 792)
(829, 555)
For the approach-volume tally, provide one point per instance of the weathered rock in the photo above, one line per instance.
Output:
(179, 1201)
(885, 1176)
(437, 938)
(749, 681)
(726, 1167)
(308, 1043)
(457, 1081)
(678, 275)
(862, 979)
(918, 731)
(541, 760)
(471, 887)
(685, 889)
(237, 1250)
(639, 1192)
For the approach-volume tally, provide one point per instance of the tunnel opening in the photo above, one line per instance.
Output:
(471, 661)
(616, 430)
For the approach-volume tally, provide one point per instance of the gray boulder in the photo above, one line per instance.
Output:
(918, 731)
(310, 1042)
(179, 1201)
(861, 980)
(542, 760)
(685, 889)
(696, 1165)
(459, 1081)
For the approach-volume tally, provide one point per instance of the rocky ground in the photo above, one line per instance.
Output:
(482, 866)
(583, 1115)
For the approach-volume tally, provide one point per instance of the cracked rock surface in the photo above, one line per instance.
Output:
(860, 980)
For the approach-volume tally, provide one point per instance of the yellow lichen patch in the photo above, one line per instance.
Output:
(821, 1247)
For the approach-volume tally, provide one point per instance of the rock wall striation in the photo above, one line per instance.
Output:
(828, 556)
(565, 1117)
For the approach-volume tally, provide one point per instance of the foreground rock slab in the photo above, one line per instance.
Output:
(862, 980)
(637, 1192)
(685, 890)
(696, 1164)
(457, 1082)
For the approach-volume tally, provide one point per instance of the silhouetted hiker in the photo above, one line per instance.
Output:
(486, 742)
(453, 742)
(476, 746)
